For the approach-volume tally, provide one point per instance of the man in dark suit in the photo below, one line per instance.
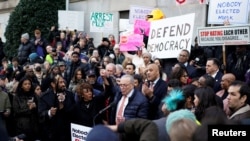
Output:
(183, 59)
(155, 90)
(131, 103)
(55, 108)
(212, 69)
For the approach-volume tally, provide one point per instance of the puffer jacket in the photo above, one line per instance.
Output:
(24, 50)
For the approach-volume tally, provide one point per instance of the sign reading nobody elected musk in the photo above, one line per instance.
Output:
(79, 132)
(235, 11)
(167, 37)
(210, 36)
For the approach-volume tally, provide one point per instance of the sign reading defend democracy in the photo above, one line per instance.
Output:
(101, 22)
(79, 132)
(210, 36)
(235, 11)
(167, 37)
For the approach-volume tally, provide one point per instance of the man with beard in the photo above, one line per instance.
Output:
(55, 106)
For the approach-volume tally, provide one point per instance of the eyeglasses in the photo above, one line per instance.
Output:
(124, 85)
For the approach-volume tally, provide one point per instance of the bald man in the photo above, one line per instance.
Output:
(226, 80)
(154, 89)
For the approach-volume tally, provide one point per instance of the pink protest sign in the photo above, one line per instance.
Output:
(141, 27)
(131, 42)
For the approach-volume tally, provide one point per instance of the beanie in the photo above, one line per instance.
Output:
(101, 133)
(25, 36)
(33, 57)
(177, 115)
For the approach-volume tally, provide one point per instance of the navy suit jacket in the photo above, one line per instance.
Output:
(217, 78)
(160, 91)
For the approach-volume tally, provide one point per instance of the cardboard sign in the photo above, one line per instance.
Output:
(131, 42)
(79, 132)
(167, 37)
(235, 11)
(71, 20)
(101, 22)
(141, 27)
(210, 36)
(138, 13)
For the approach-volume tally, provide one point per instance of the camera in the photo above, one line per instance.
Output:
(196, 61)
(38, 68)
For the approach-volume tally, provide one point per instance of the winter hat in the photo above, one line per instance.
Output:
(33, 57)
(106, 40)
(180, 114)
(26, 36)
(102, 133)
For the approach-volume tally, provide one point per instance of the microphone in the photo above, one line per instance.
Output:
(102, 110)
(106, 108)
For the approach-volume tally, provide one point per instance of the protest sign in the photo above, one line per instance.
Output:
(79, 132)
(235, 11)
(71, 20)
(210, 36)
(131, 42)
(167, 37)
(101, 22)
(138, 13)
(142, 27)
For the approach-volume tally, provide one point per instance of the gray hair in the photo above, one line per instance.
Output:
(130, 77)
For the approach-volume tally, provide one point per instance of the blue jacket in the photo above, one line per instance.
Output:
(137, 107)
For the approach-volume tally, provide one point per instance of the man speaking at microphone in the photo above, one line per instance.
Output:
(131, 103)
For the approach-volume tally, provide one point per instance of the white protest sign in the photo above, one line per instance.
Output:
(138, 13)
(125, 26)
(79, 132)
(167, 37)
(210, 36)
(101, 22)
(71, 20)
(235, 11)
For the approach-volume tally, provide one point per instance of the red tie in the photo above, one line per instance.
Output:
(119, 115)
(120, 111)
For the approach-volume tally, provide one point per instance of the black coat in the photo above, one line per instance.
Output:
(86, 113)
(24, 51)
(58, 126)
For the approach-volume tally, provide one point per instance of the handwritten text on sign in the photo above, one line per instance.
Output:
(79, 132)
(138, 13)
(99, 22)
(210, 36)
(235, 11)
(131, 42)
(142, 27)
(169, 36)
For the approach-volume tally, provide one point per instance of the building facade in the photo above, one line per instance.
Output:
(119, 8)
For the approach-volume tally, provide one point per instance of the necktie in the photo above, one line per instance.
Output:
(120, 111)
(151, 86)
(119, 116)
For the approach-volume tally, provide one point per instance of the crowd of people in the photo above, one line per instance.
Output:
(64, 78)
